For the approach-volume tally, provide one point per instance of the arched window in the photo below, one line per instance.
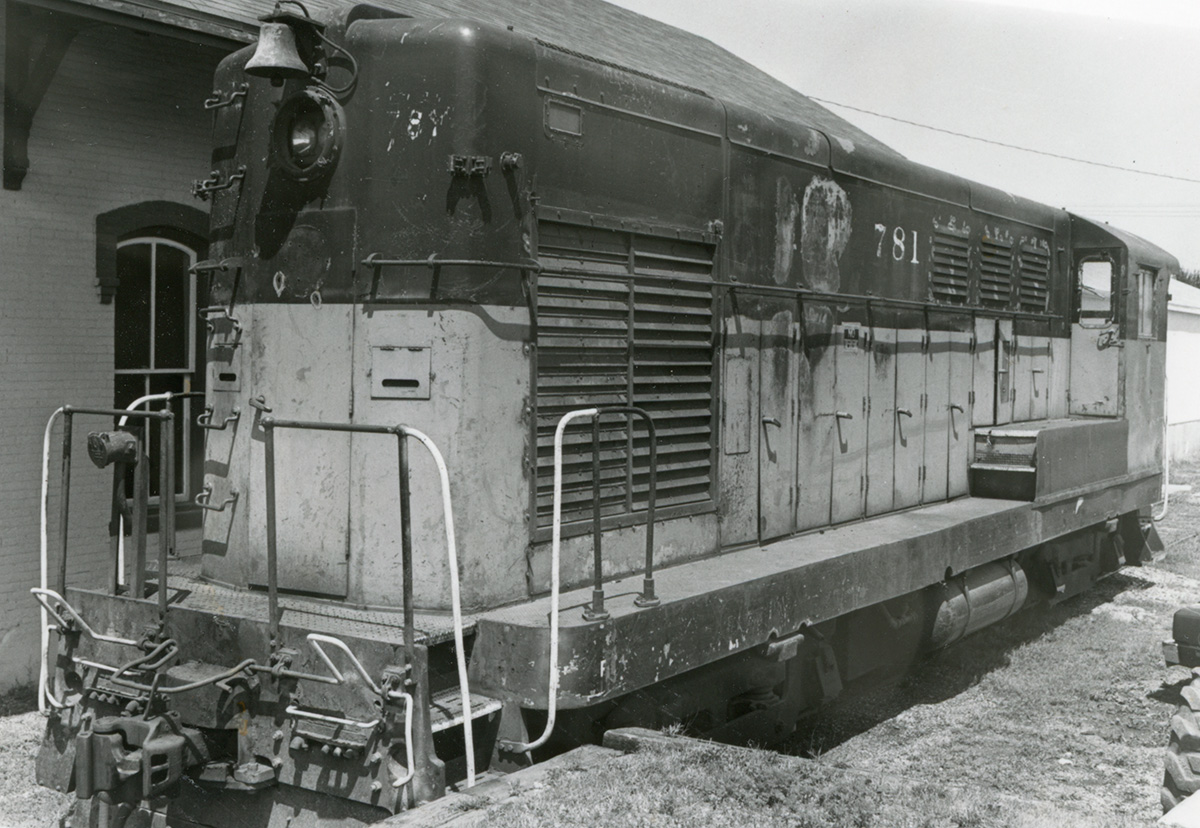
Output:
(144, 255)
(155, 340)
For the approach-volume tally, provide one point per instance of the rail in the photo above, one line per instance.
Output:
(402, 433)
(432, 261)
(648, 598)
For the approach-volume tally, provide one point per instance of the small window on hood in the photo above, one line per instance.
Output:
(563, 117)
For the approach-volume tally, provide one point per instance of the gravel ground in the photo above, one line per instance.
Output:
(1064, 709)
(25, 804)
(1067, 707)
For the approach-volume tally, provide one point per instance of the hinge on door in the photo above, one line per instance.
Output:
(973, 343)
(971, 397)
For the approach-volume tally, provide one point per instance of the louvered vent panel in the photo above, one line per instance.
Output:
(1035, 279)
(995, 273)
(949, 280)
(624, 319)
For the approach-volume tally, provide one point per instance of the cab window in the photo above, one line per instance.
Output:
(1095, 293)
(1146, 285)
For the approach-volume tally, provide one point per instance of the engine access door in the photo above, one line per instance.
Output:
(1095, 335)
(777, 424)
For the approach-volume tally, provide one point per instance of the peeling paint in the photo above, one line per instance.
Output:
(825, 217)
(846, 143)
(786, 210)
(813, 146)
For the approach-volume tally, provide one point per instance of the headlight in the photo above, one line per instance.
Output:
(306, 137)
(304, 142)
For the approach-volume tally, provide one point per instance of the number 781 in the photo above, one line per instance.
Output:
(901, 242)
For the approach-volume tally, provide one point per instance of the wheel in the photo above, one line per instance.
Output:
(1181, 765)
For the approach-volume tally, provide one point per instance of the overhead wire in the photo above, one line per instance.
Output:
(1046, 153)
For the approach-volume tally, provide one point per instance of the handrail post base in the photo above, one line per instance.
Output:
(648, 598)
(429, 780)
(596, 612)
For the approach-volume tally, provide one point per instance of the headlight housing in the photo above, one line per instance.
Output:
(307, 134)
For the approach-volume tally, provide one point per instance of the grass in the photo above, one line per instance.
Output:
(696, 783)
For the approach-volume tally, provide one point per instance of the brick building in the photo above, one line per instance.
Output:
(104, 131)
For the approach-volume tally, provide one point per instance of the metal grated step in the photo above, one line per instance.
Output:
(446, 708)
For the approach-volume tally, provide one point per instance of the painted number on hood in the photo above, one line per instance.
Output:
(902, 243)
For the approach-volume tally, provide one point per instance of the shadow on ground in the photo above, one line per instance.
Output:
(949, 672)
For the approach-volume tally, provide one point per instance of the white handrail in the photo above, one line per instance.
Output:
(44, 666)
(44, 595)
(455, 600)
(316, 639)
(133, 406)
(411, 770)
(555, 544)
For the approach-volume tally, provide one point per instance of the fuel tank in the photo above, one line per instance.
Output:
(977, 598)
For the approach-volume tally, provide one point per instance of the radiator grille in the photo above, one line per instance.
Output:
(949, 279)
(624, 319)
(1035, 279)
(995, 273)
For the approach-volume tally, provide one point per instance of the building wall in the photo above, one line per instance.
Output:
(121, 123)
(1183, 392)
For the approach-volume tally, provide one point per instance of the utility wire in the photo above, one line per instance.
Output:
(1007, 146)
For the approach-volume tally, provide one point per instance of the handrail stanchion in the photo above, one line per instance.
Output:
(268, 424)
(648, 598)
(141, 504)
(406, 556)
(166, 500)
(596, 612)
(169, 504)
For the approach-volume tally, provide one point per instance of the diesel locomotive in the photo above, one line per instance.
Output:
(546, 395)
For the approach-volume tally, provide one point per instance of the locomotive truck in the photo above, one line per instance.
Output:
(546, 396)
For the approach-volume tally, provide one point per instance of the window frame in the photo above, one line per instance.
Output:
(1147, 311)
(183, 493)
(1113, 271)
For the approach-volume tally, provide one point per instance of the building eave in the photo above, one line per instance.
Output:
(159, 18)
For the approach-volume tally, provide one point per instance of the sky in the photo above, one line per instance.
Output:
(1115, 82)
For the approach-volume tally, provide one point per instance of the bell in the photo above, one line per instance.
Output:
(276, 56)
